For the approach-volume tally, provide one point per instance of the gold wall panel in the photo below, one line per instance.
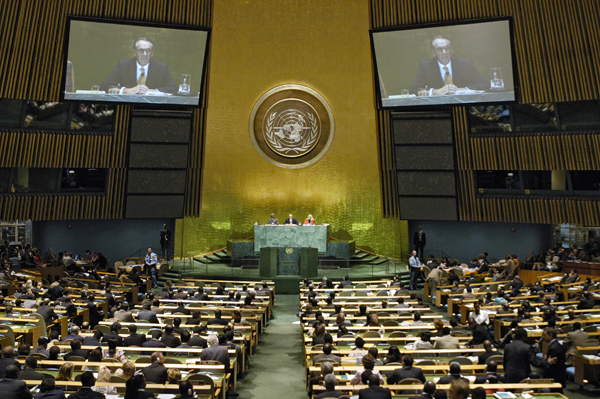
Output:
(258, 45)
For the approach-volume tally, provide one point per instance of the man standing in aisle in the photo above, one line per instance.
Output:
(165, 242)
(150, 266)
(415, 270)
(420, 240)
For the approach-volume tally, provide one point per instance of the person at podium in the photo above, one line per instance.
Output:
(310, 220)
(141, 74)
(272, 220)
(290, 221)
(444, 74)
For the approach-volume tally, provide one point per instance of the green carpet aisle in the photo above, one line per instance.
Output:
(277, 368)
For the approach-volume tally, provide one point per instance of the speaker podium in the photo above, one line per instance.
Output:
(289, 261)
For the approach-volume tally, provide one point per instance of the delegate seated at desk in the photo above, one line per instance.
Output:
(273, 220)
(141, 74)
(444, 74)
(290, 221)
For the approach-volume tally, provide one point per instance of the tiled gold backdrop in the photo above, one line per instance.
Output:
(260, 44)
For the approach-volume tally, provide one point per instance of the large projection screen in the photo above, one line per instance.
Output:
(102, 63)
(409, 72)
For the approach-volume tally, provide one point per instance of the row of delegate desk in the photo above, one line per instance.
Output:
(399, 335)
(257, 318)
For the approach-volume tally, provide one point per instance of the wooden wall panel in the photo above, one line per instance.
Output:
(31, 66)
(553, 39)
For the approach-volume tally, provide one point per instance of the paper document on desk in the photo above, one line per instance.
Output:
(157, 93)
(467, 91)
(592, 357)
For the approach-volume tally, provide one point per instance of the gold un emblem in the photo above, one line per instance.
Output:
(291, 126)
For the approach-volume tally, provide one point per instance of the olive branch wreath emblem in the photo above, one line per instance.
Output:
(306, 145)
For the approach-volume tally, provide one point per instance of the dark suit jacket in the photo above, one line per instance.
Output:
(47, 313)
(153, 344)
(558, 370)
(216, 352)
(86, 393)
(197, 340)
(449, 378)
(5, 362)
(290, 221)
(14, 389)
(54, 394)
(484, 356)
(375, 392)
(148, 315)
(482, 379)
(328, 394)
(79, 352)
(406, 372)
(159, 76)
(416, 235)
(134, 340)
(91, 341)
(170, 340)
(518, 357)
(480, 334)
(113, 335)
(464, 74)
(221, 322)
(29, 374)
(155, 373)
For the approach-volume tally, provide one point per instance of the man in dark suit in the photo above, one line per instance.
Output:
(444, 74)
(290, 220)
(94, 340)
(114, 333)
(329, 380)
(518, 356)
(85, 392)
(74, 335)
(587, 302)
(554, 360)
(155, 341)
(169, 339)
(196, 339)
(327, 348)
(42, 347)
(419, 241)
(453, 374)
(141, 74)
(428, 391)
(147, 315)
(28, 372)
(374, 391)
(217, 319)
(47, 311)
(490, 370)
(487, 345)
(407, 371)
(480, 333)
(156, 372)
(8, 358)
(134, 339)
(215, 352)
(11, 387)
(76, 351)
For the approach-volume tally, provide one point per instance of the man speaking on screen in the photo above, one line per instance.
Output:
(444, 74)
(141, 74)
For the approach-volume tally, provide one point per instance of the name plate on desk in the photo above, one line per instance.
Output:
(290, 236)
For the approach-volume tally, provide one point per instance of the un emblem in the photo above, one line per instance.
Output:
(291, 126)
